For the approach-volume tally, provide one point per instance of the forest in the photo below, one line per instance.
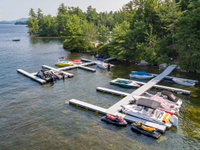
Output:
(150, 30)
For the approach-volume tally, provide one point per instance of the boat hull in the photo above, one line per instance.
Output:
(104, 118)
(141, 76)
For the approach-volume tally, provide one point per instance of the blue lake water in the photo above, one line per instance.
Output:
(34, 116)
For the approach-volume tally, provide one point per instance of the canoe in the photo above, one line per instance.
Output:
(184, 82)
(141, 75)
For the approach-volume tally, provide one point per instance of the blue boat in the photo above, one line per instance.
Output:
(141, 75)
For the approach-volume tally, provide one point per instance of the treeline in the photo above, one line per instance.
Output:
(21, 23)
(151, 30)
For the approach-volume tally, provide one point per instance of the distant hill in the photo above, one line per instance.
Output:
(14, 21)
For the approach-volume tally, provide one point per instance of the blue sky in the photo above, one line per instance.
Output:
(16, 9)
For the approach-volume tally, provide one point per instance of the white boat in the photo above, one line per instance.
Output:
(124, 83)
(168, 96)
(183, 82)
(148, 110)
(63, 62)
(164, 104)
(141, 75)
(104, 65)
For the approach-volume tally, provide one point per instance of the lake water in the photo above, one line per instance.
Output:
(34, 116)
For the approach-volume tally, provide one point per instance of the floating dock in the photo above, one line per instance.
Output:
(109, 91)
(131, 119)
(170, 78)
(177, 90)
(116, 108)
(113, 109)
(32, 76)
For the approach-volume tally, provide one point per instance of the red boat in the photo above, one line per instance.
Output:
(76, 61)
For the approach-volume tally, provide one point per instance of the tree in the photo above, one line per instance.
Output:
(32, 13)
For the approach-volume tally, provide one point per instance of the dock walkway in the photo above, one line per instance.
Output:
(115, 108)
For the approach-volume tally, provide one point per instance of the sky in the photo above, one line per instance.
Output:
(16, 9)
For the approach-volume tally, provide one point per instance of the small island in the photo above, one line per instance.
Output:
(21, 23)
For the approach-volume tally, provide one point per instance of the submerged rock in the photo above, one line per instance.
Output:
(143, 63)
(163, 66)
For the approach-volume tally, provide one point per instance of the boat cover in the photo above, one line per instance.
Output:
(147, 103)
(170, 96)
(100, 59)
(141, 73)
(163, 103)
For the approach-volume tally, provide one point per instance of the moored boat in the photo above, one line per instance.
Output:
(124, 83)
(184, 82)
(104, 65)
(63, 62)
(146, 130)
(76, 61)
(168, 96)
(141, 75)
(46, 75)
(119, 121)
(148, 110)
(164, 104)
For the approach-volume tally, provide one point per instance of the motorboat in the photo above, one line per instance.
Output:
(184, 82)
(63, 62)
(146, 130)
(141, 75)
(148, 110)
(15, 39)
(104, 65)
(59, 75)
(76, 61)
(168, 96)
(46, 75)
(164, 104)
(124, 83)
(118, 120)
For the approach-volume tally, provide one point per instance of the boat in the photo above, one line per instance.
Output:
(124, 83)
(168, 96)
(164, 104)
(184, 82)
(146, 130)
(148, 110)
(59, 75)
(104, 65)
(100, 59)
(76, 61)
(141, 75)
(63, 62)
(46, 75)
(119, 121)
(15, 39)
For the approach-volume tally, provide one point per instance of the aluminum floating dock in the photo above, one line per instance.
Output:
(177, 90)
(170, 78)
(115, 92)
(32, 76)
(113, 109)
(131, 119)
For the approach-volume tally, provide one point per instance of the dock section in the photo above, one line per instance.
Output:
(115, 108)
(109, 91)
(131, 119)
(177, 90)
(32, 76)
